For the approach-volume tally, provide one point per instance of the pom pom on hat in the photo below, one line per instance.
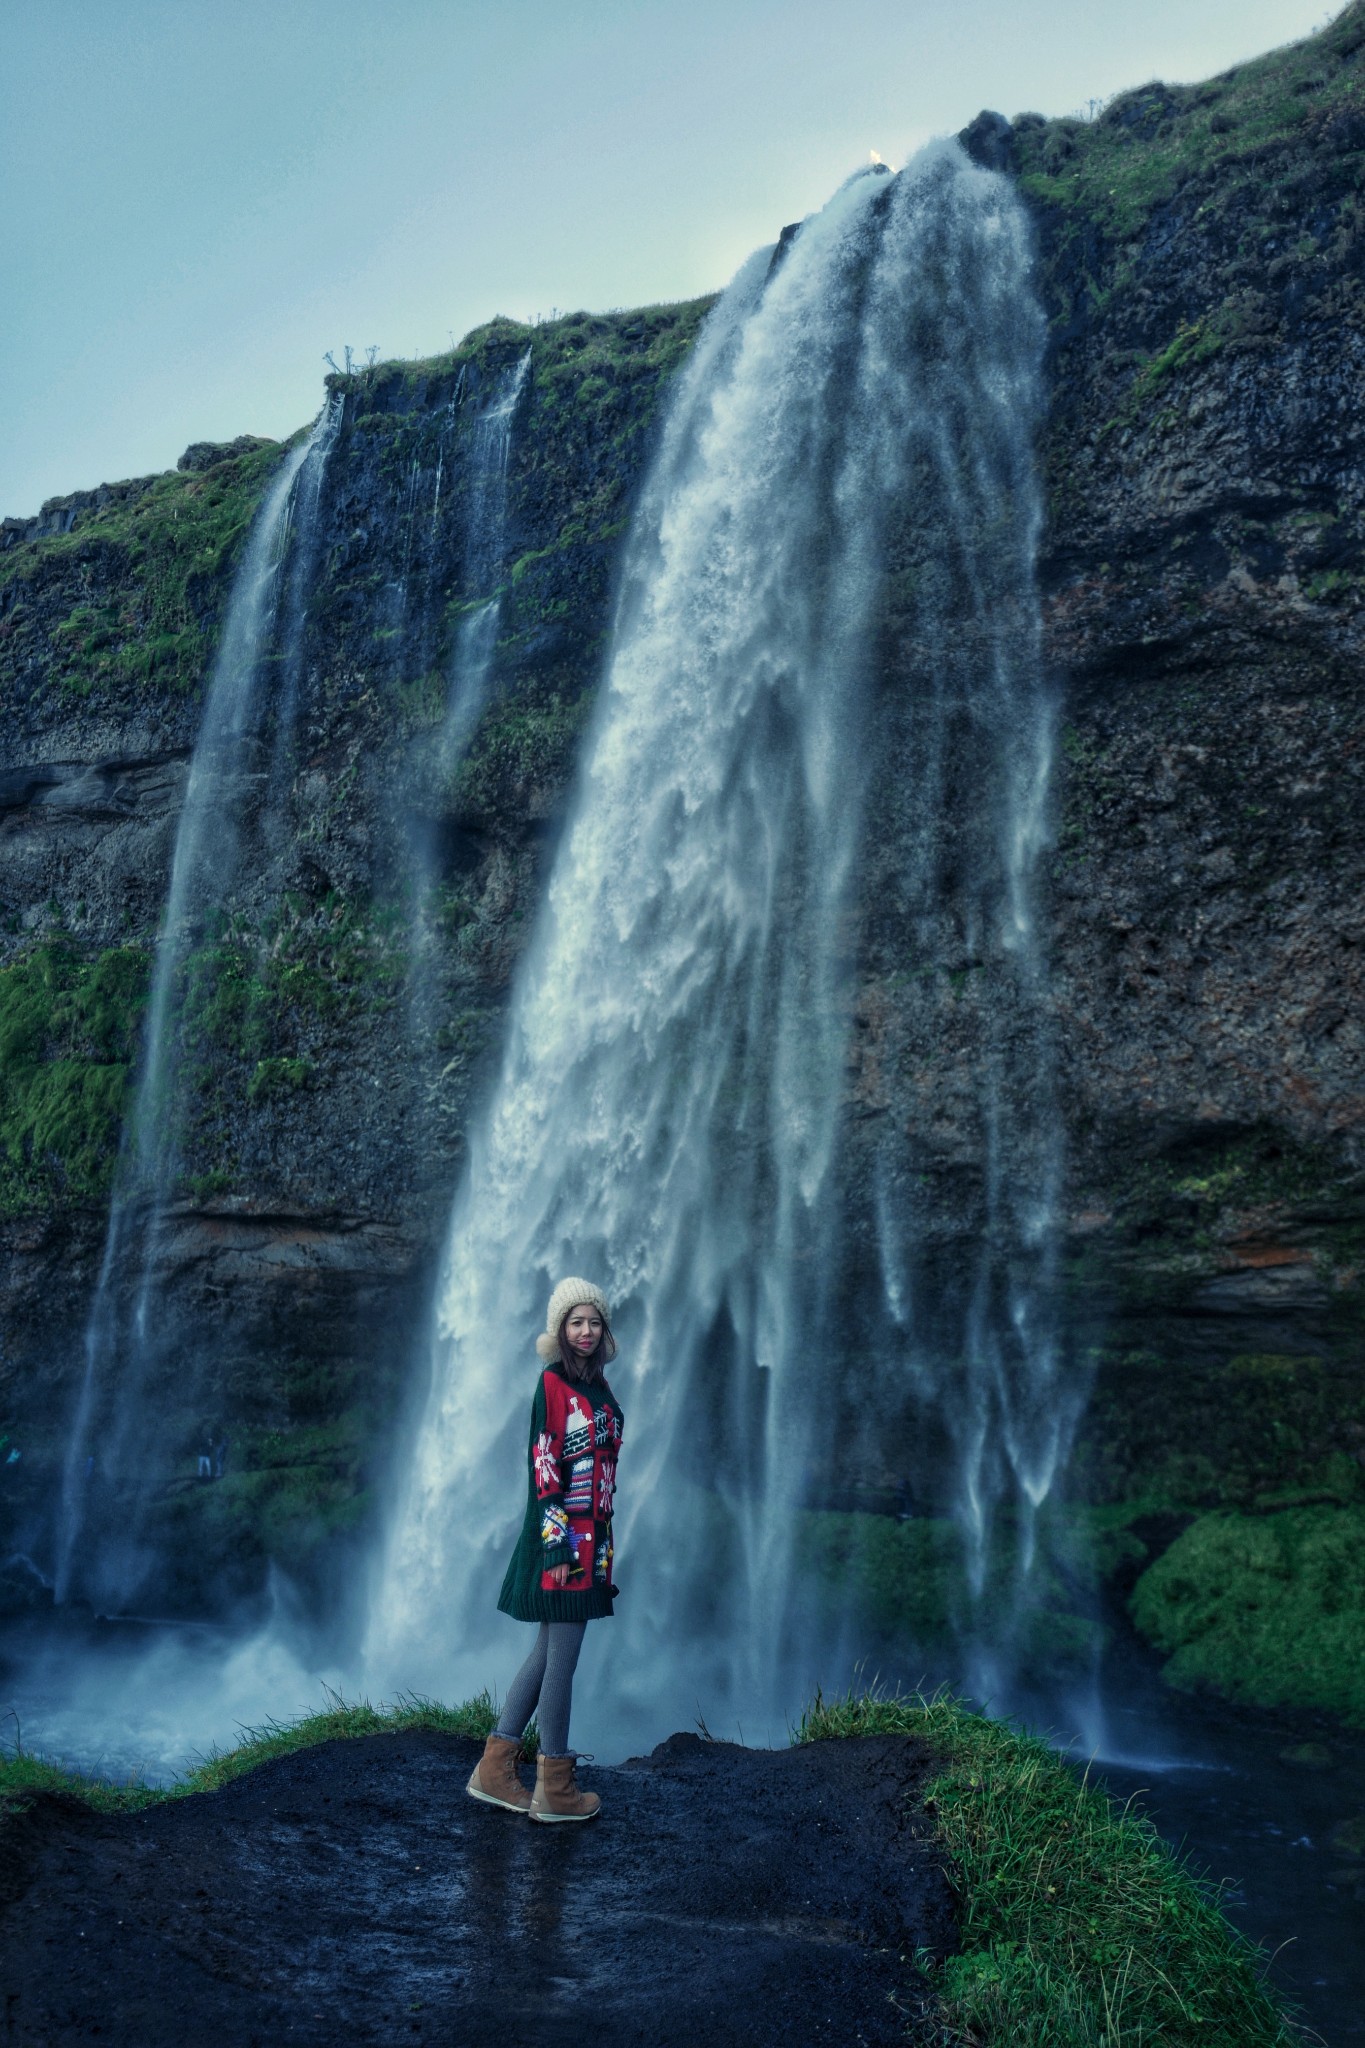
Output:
(569, 1294)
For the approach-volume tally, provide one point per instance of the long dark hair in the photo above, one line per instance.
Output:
(586, 1372)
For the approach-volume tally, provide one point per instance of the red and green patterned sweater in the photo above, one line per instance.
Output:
(575, 1442)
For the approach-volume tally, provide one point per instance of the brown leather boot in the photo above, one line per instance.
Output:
(494, 1778)
(556, 1796)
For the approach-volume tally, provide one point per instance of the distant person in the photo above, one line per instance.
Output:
(560, 1573)
(206, 1454)
(220, 1451)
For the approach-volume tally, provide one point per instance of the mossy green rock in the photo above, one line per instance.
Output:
(124, 601)
(67, 1034)
(1267, 1608)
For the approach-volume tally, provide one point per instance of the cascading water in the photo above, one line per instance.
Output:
(485, 548)
(968, 1323)
(469, 671)
(115, 1459)
(668, 1115)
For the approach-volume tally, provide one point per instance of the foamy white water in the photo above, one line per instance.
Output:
(669, 1101)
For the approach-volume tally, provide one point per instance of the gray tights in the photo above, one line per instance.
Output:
(544, 1687)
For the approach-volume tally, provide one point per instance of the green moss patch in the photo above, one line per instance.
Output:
(1150, 142)
(68, 1027)
(1264, 1608)
(132, 596)
(1189, 1433)
(255, 1004)
(1079, 1929)
(521, 751)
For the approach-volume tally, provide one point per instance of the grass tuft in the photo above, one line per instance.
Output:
(1079, 1929)
(24, 1776)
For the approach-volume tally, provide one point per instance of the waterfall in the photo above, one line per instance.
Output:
(476, 636)
(847, 461)
(113, 1464)
(967, 1336)
(469, 671)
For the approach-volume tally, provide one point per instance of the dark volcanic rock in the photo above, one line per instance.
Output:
(987, 141)
(205, 454)
(726, 1895)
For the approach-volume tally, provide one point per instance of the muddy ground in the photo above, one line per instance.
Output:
(352, 1892)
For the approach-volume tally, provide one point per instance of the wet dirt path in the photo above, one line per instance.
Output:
(725, 1896)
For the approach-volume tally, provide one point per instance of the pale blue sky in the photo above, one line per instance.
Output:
(199, 199)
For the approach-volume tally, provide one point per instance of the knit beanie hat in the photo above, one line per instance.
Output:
(569, 1294)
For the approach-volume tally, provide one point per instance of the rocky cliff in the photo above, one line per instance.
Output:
(1204, 572)
(333, 1019)
(1202, 264)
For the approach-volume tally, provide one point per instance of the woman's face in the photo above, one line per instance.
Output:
(583, 1328)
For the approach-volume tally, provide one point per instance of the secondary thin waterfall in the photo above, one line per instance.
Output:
(670, 1112)
(112, 1464)
(470, 667)
(476, 636)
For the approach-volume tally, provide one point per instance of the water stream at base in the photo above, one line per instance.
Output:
(112, 1470)
(668, 1113)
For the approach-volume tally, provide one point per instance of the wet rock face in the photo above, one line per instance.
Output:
(334, 1014)
(1205, 607)
(97, 830)
(1201, 257)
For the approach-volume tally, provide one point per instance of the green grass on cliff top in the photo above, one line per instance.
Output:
(162, 551)
(1148, 143)
(1078, 1927)
(650, 339)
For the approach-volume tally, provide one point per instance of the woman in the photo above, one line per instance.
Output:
(560, 1574)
